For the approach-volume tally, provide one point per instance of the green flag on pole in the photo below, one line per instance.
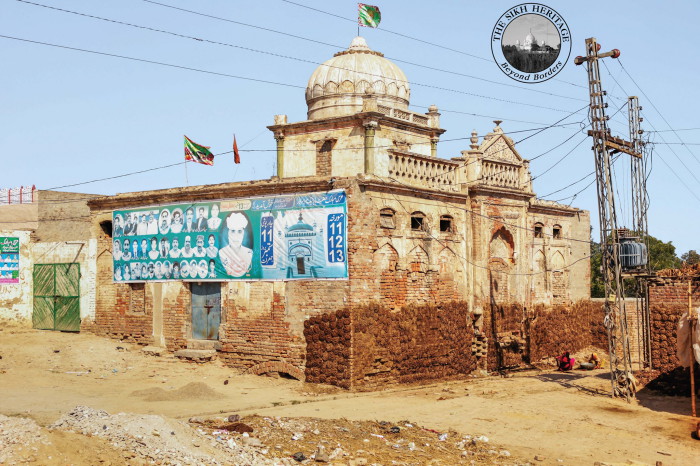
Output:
(196, 153)
(368, 16)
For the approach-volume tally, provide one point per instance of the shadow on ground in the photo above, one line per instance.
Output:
(572, 380)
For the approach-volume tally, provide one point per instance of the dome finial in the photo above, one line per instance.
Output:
(359, 43)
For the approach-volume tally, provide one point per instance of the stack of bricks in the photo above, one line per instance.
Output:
(370, 346)
(668, 300)
(566, 328)
(328, 342)
(519, 336)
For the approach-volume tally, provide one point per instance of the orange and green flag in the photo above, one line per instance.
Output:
(196, 153)
(368, 15)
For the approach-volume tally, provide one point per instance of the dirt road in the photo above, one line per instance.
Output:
(558, 418)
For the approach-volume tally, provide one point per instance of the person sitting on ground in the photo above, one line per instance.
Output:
(565, 362)
(595, 360)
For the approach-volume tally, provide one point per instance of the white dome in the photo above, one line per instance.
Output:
(336, 87)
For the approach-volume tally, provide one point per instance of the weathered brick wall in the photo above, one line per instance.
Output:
(370, 346)
(114, 316)
(251, 340)
(63, 216)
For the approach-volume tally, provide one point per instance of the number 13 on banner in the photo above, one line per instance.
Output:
(336, 238)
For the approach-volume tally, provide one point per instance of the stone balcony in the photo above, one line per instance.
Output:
(413, 117)
(423, 171)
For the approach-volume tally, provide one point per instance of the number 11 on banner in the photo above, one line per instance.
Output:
(336, 238)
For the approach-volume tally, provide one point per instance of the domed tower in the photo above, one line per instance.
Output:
(338, 86)
(359, 121)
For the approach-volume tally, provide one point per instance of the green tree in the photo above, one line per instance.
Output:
(662, 255)
(597, 285)
(691, 257)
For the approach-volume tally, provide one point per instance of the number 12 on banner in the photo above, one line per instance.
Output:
(336, 238)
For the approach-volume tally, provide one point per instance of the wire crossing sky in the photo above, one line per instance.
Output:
(106, 90)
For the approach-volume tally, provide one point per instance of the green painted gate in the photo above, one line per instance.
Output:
(57, 297)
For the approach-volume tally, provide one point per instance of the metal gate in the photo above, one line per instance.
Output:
(206, 310)
(56, 297)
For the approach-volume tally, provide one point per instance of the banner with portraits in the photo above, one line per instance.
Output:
(9, 260)
(287, 237)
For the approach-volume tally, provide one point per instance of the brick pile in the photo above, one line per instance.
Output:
(668, 300)
(566, 328)
(328, 342)
(664, 325)
(370, 346)
(517, 335)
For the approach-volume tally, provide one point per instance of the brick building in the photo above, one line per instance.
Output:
(55, 288)
(421, 231)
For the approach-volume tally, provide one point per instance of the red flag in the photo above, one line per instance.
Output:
(236, 156)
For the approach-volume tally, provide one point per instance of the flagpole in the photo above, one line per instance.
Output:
(187, 179)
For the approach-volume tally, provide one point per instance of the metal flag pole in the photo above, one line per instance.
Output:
(187, 179)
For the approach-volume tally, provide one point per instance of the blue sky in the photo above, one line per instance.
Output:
(70, 116)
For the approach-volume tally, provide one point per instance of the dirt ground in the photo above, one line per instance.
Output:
(534, 416)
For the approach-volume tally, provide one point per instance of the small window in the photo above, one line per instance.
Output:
(446, 224)
(106, 227)
(539, 230)
(556, 232)
(386, 218)
(418, 221)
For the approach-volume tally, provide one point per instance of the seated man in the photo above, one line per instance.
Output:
(565, 362)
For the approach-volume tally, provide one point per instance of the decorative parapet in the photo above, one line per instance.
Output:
(502, 174)
(423, 171)
(413, 117)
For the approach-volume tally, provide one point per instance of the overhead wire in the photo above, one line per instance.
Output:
(461, 52)
(486, 267)
(288, 57)
(651, 102)
(399, 60)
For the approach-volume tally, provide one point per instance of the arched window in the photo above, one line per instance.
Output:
(446, 224)
(539, 230)
(556, 232)
(386, 218)
(418, 222)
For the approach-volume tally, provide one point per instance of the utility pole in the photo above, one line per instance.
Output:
(640, 206)
(604, 147)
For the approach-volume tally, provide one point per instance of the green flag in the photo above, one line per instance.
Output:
(196, 153)
(368, 16)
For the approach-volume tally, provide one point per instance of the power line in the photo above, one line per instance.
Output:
(413, 38)
(484, 267)
(530, 89)
(569, 185)
(655, 108)
(278, 55)
(241, 150)
(560, 159)
(667, 130)
(153, 62)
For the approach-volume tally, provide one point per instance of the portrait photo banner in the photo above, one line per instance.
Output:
(9, 260)
(286, 237)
